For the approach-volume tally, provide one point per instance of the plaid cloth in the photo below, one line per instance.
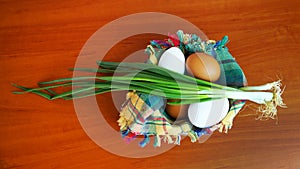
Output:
(144, 114)
(231, 75)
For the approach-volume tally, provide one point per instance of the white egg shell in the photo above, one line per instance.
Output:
(209, 113)
(173, 59)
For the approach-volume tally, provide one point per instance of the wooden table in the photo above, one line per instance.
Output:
(40, 40)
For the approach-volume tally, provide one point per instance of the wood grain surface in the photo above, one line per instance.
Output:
(40, 40)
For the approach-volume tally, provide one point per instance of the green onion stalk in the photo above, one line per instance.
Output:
(155, 80)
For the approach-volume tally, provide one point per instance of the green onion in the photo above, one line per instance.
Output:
(155, 80)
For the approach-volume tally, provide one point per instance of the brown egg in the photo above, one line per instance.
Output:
(203, 66)
(176, 111)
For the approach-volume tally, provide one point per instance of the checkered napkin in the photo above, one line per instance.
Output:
(144, 114)
(232, 75)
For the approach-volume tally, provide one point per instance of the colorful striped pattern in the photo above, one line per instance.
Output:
(144, 114)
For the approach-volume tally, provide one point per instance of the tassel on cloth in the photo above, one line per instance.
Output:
(168, 139)
(201, 132)
(157, 141)
(129, 137)
(145, 141)
(122, 122)
(193, 136)
(177, 140)
(125, 133)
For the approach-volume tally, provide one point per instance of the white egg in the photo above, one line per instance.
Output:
(173, 59)
(209, 113)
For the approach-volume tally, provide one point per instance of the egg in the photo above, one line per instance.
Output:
(173, 59)
(203, 66)
(176, 111)
(209, 113)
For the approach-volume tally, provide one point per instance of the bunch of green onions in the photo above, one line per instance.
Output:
(155, 80)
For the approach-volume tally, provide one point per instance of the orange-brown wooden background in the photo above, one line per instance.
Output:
(40, 40)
